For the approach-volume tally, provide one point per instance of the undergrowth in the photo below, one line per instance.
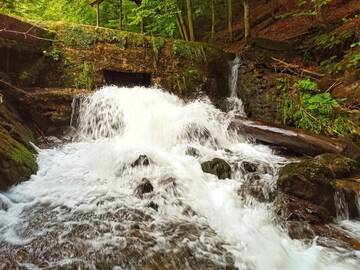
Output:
(304, 107)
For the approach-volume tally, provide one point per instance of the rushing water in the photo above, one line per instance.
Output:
(82, 209)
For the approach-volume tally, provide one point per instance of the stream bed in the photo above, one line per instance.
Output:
(128, 192)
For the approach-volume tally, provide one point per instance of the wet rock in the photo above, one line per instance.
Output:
(341, 166)
(300, 230)
(291, 208)
(142, 160)
(143, 188)
(17, 161)
(350, 190)
(4, 203)
(153, 205)
(311, 181)
(218, 167)
(170, 186)
(195, 132)
(257, 189)
(249, 167)
(192, 151)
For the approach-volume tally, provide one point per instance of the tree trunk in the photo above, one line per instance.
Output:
(190, 19)
(212, 19)
(142, 26)
(183, 25)
(179, 27)
(293, 139)
(120, 14)
(229, 17)
(247, 33)
(97, 15)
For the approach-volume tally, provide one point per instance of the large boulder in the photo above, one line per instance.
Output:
(311, 181)
(218, 167)
(17, 159)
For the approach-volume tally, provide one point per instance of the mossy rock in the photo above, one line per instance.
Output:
(17, 163)
(309, 180)
(340, 166)
(218, 167)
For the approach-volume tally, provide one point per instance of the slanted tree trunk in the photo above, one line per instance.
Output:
(182, 28)
(229, 19)
(190, 19)
(120, 14)
(212, 19)
(247, 33)
(181, 31)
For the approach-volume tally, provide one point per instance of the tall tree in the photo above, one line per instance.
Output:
(120, 15)
(247, 29)
(190, 19)
(229, 19)
(96, 4)
(212, 19)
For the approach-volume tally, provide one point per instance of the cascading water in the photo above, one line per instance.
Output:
(84, 208)
(234, 102)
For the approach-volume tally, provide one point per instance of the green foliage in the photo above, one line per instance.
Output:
(331, 65)
(53, 53)
(189, 49)
(329, 41)
(76, 35)
(85, 77)
(354, 61)
(307, 85)
(282, 84)
(314, 112)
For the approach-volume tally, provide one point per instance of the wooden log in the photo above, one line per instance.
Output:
(293, 139)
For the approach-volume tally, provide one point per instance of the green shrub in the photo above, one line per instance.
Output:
(315, 113)
(307, 85)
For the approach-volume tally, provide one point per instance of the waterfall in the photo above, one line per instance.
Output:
(234, 75)
(235, 104)
(342, 208)
(129, 193)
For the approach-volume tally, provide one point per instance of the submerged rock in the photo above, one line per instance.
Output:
(142, 160)
(143, 188)
(192, 151)
(292, 208)
(249, 167)
(194, 132)
(218, 167)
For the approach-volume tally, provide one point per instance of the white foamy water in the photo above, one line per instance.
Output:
(235, 104)
(83, 196)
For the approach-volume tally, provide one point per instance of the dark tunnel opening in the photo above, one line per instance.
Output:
(128, 79)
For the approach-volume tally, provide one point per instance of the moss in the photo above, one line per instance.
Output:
(84, 79)
(192, 50)
(17, 162)
(23, 156)
(188, 80)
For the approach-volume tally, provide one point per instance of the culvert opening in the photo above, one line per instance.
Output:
(127, 78)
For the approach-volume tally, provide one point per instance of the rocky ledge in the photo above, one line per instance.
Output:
(313, 194)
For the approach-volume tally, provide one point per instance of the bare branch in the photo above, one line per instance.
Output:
(26, 34)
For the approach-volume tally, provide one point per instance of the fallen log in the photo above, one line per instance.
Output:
(293, 139)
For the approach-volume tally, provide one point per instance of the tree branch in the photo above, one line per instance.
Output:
(26, 34)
